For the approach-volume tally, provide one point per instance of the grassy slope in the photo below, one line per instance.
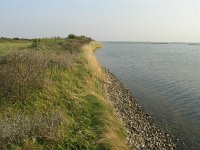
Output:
(69, 111)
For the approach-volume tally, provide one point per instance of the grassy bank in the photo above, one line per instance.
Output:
(52, 97)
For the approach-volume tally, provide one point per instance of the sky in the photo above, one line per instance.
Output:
(104, 20)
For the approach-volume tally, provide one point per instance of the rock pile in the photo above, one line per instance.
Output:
(141, 131)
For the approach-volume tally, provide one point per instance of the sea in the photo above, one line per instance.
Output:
(164, 79)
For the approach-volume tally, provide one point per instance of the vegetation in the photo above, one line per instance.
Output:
(51, 97)
(7, 45)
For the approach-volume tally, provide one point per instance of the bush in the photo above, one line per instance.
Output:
(62, 60)
(71, 36)
(21, 73)
(16, 38)
(17, 127)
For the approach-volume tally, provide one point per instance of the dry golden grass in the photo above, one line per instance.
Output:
(114, 133)
(89, 50)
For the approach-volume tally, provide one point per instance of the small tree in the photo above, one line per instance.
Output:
(71, 36)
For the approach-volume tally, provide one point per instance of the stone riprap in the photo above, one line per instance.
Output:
(141, 131)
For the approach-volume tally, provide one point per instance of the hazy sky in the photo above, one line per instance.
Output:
(112, 20)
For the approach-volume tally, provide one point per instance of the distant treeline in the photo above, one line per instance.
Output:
(5, 39)
(70, 36)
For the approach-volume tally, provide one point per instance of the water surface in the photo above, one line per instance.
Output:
(165, 79)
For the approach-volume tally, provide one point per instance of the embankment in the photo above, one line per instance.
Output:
(52, 97)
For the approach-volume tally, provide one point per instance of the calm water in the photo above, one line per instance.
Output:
(165, 79)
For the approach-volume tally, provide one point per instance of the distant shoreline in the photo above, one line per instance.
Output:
(137, 42)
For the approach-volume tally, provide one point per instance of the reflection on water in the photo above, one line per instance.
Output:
(165, 78)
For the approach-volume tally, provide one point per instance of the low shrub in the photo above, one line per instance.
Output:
(41, 127)
(63, 60)
(21, 73)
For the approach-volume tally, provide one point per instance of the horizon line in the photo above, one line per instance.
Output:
(152, 42)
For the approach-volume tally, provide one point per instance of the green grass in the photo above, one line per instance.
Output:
(66, 109)
(8, 46)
